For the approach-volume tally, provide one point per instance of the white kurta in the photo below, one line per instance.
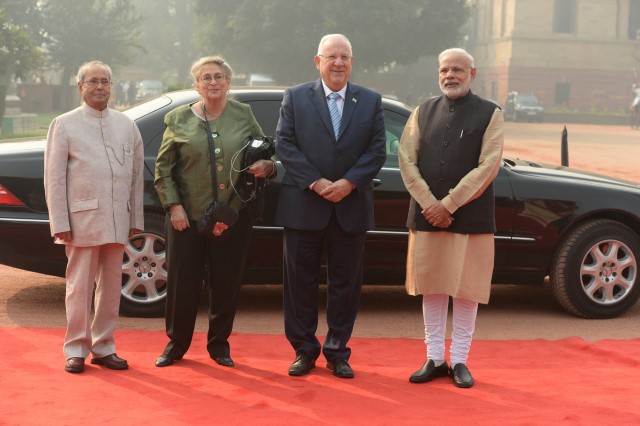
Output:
(459, 265)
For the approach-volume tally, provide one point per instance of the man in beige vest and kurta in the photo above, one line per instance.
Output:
(449, 154)
(93, 186)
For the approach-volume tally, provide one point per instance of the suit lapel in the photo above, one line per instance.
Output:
(350, 103)
(319, 101)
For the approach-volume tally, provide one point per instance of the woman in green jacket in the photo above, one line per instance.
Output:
(184, 184)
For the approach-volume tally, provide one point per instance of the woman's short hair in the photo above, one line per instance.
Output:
(218, 60)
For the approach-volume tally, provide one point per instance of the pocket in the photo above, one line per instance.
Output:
(82, 205)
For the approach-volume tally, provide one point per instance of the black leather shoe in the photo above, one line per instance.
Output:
(164, 361)
(429, 371)
(112, 362)
(461, 376)
(340, 368)
(224, 361)
(74, 365)
(302, 365)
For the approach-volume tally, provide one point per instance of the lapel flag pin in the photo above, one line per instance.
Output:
(354, 100)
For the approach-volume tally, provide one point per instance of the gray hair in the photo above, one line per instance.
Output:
(326, 38)
(457, 51)
(218, 60)
(84, 67)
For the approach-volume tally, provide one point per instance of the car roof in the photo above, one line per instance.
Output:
(244, 93)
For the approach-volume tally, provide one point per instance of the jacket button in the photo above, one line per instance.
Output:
(448, 125)
(220, 167)
(440, 180)
(217, 150)
(442, 161)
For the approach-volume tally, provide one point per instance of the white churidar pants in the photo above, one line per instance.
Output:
(434, 311)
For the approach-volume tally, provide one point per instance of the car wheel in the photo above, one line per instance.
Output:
(595, 271)
(144, 271)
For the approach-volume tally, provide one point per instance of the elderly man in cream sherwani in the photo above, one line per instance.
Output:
(93, 184)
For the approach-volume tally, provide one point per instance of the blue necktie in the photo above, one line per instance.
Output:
(335, 114)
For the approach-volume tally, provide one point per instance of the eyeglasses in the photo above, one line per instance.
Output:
(334, 58)
(95, 82)
(207, 79)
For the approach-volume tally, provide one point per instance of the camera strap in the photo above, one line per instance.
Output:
(212, 160)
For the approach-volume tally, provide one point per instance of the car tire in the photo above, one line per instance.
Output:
(144, 271)
(595, 271)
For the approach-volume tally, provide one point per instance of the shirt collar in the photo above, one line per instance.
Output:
(342, 92)
(94, 112)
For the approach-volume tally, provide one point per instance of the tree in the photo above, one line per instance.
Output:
(167, 34)
(80, 31)
(18, 53)
(279, 37)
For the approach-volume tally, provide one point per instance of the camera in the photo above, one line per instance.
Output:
(259, 149)
(256, 149)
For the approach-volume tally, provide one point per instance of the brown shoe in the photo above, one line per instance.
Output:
(74, 365)
(113, 362)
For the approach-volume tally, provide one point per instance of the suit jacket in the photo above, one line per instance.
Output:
(307, 147)
(93, 176)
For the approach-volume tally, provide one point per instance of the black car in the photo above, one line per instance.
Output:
(523, 107)
(580, 229)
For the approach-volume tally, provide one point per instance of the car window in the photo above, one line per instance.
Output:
(394, 124)
(267, 113)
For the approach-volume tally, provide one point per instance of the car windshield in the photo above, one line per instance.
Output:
(528, 100)
(145, 108)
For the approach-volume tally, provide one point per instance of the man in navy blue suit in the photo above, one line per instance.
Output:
(331, 141)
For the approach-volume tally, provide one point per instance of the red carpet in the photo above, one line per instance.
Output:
(517, 382)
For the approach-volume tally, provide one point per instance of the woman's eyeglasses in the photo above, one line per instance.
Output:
(209, 78)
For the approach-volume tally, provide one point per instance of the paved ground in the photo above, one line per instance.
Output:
(515, 312)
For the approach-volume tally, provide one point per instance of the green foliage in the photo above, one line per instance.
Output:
(18, 53)
(106, 31)
(167, 32)
(280, 37)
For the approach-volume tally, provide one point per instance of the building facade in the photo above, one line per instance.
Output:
(580, 54)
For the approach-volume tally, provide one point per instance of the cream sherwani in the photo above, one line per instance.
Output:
(459, 265)
(93, 177)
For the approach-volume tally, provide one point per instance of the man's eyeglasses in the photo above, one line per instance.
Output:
(334, 58)
(95, 82)
(209, 78)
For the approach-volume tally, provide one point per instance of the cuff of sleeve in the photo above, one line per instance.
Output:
(448, 204)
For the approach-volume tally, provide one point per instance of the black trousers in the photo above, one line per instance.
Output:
(187, 255)
(302, 267)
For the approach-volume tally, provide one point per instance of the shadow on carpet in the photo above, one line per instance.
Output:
(517, 382)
